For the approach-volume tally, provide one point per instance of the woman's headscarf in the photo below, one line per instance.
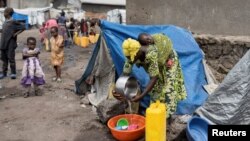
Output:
(130, 48)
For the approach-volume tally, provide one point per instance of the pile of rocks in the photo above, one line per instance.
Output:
(222, 52)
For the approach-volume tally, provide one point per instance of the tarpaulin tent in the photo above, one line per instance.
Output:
(229, 103)
(21, 17)
(109, 49)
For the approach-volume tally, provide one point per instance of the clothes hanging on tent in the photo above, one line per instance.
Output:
(103, 74)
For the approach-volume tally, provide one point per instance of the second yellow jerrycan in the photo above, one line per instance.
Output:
(92, 39)
(76, 39)
(156, 122)
(96, 37)
(84, 41)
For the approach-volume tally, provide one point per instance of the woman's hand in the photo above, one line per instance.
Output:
(118, 96)
(136, 98)
(149, 87)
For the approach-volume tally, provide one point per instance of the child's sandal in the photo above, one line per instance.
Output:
(54, 79)
(36, 92)
(27, 94)
(59, 80)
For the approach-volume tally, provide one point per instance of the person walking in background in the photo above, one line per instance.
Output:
(62, 19)
(32, 72)
(95, 26)
(70, 26)
(11, 29)
(94, 30)
(57, 53)
(92, 27)
(84, 27)
(2, 3)
(88, 24)
(77, 28)
(62, 30)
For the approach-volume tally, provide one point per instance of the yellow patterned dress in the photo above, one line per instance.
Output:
(169, 87)
(57, 53)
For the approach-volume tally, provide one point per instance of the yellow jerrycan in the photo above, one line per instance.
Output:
(76, 39)
(156, 122)
(92, 39)
(84, 41)
(96, 37)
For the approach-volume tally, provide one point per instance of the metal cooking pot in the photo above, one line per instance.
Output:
(127, 86)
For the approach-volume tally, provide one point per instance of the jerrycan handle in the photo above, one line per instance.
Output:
(156, 104)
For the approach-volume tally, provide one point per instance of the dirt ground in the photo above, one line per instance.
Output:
(55, 115)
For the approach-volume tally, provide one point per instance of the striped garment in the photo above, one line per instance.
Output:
(32, 71)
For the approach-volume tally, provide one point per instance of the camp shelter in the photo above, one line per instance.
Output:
(229, 103)
(31, 16)
(106, 63)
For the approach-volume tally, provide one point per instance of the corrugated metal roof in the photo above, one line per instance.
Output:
(105, 2)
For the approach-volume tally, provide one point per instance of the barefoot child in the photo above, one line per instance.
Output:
(57, 54)
(32, 71)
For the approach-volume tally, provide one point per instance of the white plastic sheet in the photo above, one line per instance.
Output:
(114, 16)
(229, 103)
(36, 15)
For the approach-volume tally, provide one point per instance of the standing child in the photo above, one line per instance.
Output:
(8, 45)
(32, 71)
(57, 54)
(49, 23)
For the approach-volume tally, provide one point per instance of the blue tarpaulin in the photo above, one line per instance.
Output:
(189, 53)
(21, 17)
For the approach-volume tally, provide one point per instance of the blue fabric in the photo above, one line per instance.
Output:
(89, 68)
(189, 53)
(21, 17)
